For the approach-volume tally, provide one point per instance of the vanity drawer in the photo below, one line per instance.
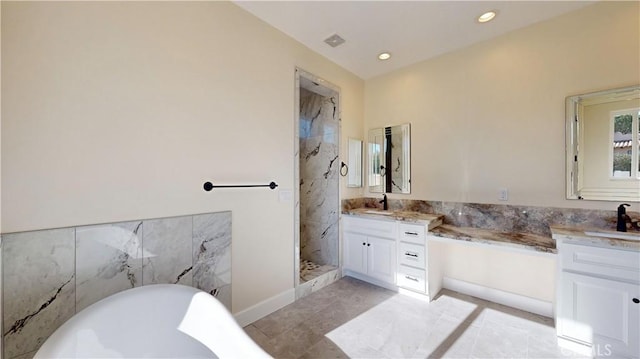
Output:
(412, 233)
(372, 227)
(411, 278)
(615, 263)
(412, 255)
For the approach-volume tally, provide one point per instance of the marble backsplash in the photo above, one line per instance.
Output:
(505, 218)
(49, 275)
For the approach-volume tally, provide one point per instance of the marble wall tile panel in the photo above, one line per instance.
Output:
(168, 248)
(318, 159)
(323, 248)
(319, 178)
(109, 260)
(212, 254)
(38, 287)
(507, 218)
(320, 201)
(50, 275)
(319, 116)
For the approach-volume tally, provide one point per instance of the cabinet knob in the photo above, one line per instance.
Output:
(636, 300)
(363, 243)
(368, 244)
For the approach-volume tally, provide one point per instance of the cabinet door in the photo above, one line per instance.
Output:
(381, 261)
(600, 312)
(355, 252)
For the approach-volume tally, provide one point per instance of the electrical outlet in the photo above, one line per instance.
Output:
(503, 194)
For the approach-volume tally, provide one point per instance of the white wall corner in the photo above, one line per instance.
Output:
(264, 308)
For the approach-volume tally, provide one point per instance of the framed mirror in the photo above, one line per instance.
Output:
(603, 145)
(354, 163)
(389, 162)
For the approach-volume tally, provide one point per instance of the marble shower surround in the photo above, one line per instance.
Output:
(504, 218)
(50, 275)
(318, 164)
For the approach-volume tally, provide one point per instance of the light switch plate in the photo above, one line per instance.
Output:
(285, 195)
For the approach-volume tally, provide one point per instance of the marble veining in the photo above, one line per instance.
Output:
(50, 275)
(503, 218)
(212, 255)
(168, 247)
(109, 260)
(578, 234)
(318, 178)
(38, 287)
(431, 220)
(524, 227)
(492, 237)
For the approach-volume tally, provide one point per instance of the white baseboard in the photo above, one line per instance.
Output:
(265, 307)
(379, 283)
(518, 301)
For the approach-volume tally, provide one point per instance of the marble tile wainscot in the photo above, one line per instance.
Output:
(49, 275)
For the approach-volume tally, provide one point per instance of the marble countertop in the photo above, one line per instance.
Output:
(487, 236)
(430, 220)
(578, 234)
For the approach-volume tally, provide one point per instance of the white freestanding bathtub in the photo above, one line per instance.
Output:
(154, 321)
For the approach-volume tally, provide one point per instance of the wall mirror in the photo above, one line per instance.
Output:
(389, 162)
(354, 163)
(603, 145)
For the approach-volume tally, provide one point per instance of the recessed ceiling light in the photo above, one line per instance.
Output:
(384, 56)
(487, 16)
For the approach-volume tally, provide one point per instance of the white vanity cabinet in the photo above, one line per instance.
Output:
(598, 302)
(412, 257)
(370, 249)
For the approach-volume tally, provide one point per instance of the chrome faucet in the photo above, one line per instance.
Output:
(623, 218)
(385, 204)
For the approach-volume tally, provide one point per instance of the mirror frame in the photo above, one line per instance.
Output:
(574, 126)
(385, 133)
(354, 162)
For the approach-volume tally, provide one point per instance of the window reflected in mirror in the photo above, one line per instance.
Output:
(603, 145)
(625, 144)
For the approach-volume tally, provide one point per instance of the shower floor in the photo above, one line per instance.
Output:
(310, 270)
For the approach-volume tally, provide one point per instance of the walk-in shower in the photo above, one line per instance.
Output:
(318, 179)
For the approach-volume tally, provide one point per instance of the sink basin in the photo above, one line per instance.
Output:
(379, 212)
(618, 235)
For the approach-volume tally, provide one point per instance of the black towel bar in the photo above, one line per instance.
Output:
(208, 186)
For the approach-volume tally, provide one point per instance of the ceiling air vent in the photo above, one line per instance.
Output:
(334, 40)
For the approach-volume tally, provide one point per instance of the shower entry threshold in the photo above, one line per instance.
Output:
(310, 270)
(317, 277)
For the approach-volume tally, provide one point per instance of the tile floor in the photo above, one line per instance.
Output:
(354, 319)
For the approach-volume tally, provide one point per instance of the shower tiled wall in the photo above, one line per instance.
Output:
(319, 166)
(49, 275)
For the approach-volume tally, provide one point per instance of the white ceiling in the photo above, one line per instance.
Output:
(412, 31)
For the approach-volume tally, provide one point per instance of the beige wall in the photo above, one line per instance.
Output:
(117, 111)
(492, 115)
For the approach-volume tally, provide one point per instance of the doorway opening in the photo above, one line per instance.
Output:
(318, 182)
